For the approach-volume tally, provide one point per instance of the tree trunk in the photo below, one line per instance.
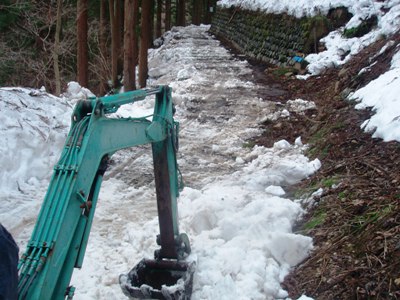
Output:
(103, 48)
(144, 41)
(181, 13)
(136, 21)
(129, 44)
(167, 15)
(56, 50)
(197, 11)
(120, 25)
(152, 31)
(114, 42)
(82, 32)
(159, 11)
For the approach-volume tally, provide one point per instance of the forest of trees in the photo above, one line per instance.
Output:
(99, 43)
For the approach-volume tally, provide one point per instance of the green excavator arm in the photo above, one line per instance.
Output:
(61, 233)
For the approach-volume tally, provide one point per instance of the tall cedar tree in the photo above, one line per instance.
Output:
(129, 45)
(120, 17)
(82, 41)
(103, 47)
(181, 13)
(144, 41)
(167, 15)
(115, 12)
(56, 50)
(152, 29)
(159, 12)
(136, 18)
(197, 11)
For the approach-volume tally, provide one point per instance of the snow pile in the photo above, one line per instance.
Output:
(297, 106)
(33, 126)
(241, 233)
(382, 95)
(240, 229)
(300, 106)
(341, 49)
(75, 93)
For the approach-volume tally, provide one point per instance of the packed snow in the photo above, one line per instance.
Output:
(233, 206)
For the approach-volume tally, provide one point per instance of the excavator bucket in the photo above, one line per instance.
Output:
(159, 279)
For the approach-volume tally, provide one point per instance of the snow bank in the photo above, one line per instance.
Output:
(33, 127)
(242, 234)
(382, 95)
(299, 8)
(341, 49)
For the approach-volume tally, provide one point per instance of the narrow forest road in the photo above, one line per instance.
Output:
(217, 101)
(239, 176)
(232, 207)
(239, 226)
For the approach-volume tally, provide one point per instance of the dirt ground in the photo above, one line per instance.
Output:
(355, 223)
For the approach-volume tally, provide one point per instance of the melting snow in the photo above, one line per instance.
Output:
(232, 207)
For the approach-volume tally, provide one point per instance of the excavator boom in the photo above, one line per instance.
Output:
(61, 233)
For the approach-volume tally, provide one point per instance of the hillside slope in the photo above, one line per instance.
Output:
(354, 216)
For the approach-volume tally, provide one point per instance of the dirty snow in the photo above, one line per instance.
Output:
(233, 206)
(284, 111)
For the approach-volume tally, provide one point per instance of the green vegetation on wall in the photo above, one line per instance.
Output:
(365, 27)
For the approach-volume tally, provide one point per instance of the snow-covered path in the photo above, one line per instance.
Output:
(232, 207)
(240, 233)
(217, 108)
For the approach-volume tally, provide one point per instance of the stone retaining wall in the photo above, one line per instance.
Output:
(275, 39)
